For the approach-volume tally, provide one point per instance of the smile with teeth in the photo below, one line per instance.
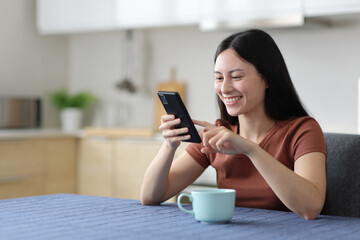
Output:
(232, 99)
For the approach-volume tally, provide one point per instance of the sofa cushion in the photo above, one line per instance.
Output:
(343, 175)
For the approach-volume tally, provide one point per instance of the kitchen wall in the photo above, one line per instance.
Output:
(30, 65)
(97, 62)
(323, 60)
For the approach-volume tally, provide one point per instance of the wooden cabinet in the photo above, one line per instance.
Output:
(131, 161)
(95, 167)
(37, 166)
(60, 165)
(114, 166)
(21, 168)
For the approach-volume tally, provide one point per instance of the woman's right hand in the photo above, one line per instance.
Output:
(171, 134)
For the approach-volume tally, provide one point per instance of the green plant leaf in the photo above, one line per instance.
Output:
(62, 99)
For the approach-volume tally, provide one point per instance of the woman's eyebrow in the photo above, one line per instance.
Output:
(231, 71)
(237, 70)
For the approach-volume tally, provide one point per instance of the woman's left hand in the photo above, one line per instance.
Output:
(222, 140)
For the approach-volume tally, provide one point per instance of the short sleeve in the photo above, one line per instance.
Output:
(308, 137)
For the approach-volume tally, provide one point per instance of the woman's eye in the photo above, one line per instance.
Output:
(218, 78)
(237, 77)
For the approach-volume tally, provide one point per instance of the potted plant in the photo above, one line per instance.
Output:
(71, 107)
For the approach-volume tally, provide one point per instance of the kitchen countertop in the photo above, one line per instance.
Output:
(133, 134)
(118, 132)
(15, 134)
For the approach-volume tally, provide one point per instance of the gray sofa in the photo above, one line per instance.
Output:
(343, 175)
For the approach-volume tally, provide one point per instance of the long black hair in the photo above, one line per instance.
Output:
(258, 48)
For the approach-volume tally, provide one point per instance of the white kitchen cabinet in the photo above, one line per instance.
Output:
(314, 8)
(66, 16)
(235, 14)
(71, 16)
(156, 13)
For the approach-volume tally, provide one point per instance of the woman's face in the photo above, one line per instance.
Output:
(238, 84)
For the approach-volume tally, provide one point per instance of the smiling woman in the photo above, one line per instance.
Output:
(232, 72)
(265, 146)
(258, 49)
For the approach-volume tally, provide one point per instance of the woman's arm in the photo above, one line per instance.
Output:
(302, 190)
(164, 177)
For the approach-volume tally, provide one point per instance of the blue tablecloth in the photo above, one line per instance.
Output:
(67, 216)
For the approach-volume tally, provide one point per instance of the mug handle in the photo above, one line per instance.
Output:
(180, 205)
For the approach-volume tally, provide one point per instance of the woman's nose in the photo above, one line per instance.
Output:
(226, 86)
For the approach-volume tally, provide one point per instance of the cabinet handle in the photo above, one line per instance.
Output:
(12, 179)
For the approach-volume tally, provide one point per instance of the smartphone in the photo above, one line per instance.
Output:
(174, 105)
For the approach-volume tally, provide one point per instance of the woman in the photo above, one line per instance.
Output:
(265, 145)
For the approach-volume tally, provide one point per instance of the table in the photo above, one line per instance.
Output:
(70, 216)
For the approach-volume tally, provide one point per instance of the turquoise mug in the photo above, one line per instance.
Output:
(210, 206)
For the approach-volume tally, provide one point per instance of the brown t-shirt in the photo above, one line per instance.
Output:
(286, 141)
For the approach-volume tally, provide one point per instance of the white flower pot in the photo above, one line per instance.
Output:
(71, 119)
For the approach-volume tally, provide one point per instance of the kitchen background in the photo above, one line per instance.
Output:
(323, 57)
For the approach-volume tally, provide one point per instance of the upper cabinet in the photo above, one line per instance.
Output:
(330, 7)
(250, 13)
(156, 13)
(69, 16)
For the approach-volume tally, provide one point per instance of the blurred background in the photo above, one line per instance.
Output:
(123, 51)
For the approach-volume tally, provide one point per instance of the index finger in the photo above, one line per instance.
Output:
(204, 124)
(167, 117)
